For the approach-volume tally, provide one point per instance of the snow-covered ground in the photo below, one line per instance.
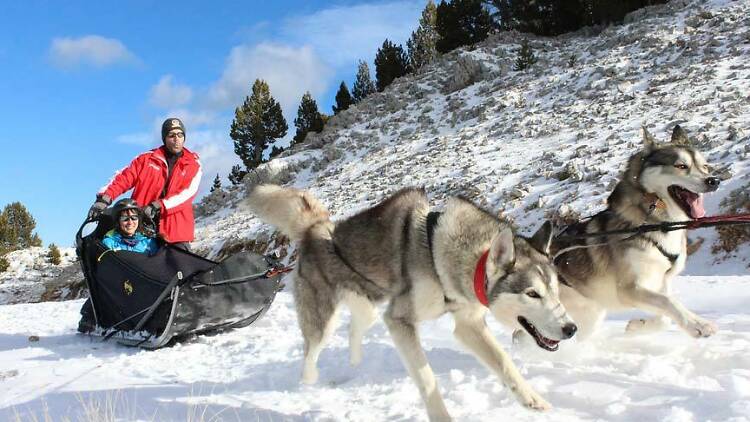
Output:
(252, 374)
(502, 138)
(24, 280)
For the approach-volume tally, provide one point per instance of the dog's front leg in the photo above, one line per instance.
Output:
(660, 304)
(406, 339)
(471, 330)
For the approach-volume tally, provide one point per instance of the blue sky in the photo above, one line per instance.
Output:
(84, 86)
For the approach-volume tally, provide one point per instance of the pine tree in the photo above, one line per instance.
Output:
(390, 63)
(422, 45)
(236, 175)
(275, 151)
(343, 99)
(526, 56)
(363, 86)
(308, 118)
(217, 183)
(461, 22)
(54, 254)
(554, 17)
(17, 229)
(257, 124)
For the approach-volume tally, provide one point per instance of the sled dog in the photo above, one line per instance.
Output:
(422, 264)
(663, 182)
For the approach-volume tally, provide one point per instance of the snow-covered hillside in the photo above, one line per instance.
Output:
(550, 142)
(508, 137)
(31, 275)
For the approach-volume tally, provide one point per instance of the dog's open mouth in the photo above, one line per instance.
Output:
(543, 342)
(690, 202)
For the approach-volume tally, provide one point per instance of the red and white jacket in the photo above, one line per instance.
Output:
(146, 175)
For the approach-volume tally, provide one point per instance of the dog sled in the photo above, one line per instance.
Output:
(146, 301)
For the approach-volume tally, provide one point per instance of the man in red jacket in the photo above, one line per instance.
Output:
(164, 181)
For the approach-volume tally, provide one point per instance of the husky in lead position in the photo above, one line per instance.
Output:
(463, 261)
(662, 183)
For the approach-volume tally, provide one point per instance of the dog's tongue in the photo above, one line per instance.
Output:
(695, 202)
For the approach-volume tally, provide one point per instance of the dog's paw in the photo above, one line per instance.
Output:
(635, 325)
(355, 354)
(309, 375)
(701, 328)
(533, 400)
(355, 358)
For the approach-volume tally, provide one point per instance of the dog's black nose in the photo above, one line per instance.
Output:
(713, 183)
(569, 330)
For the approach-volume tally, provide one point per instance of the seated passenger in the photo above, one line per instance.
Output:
(125, 236)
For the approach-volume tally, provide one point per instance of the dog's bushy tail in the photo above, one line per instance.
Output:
(292, 211)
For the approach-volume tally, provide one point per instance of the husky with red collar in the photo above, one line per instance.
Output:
(422, 264)
(663, 182)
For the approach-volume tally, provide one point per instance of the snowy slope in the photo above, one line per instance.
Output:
(469, 125)
(505, 139)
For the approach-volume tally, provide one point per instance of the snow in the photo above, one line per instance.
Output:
(501, 141)
(253, 373)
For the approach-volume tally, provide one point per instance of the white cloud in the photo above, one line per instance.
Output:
(343, 35)
(166, 93)
(140, 138)
(289, 72)
(92, 50)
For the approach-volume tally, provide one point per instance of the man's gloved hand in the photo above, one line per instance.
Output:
(99, 206)
(152, 210)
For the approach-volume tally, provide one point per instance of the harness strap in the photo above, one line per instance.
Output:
(670, 256)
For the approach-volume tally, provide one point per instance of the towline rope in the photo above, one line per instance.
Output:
(718, 220)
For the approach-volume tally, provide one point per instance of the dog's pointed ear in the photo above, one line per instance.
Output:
(648, 140)
(542, 239)
(680, 136)
(502, 251)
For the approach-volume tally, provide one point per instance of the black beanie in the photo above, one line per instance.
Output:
(170, 124)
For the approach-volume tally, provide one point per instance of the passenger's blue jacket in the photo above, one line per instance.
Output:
(137, 243)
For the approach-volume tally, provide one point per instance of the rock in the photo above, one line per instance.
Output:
(518, 193)
(571, 171)
(464, 72)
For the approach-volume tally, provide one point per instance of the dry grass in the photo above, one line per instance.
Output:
(731, 237)
(117, 406)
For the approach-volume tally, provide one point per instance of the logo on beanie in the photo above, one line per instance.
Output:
(176, 123)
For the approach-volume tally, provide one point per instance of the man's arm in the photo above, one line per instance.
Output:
(122, 181)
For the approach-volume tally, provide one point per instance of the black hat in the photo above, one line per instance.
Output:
(171, 124)
(124, 205)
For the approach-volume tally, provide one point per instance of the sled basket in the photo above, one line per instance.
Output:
(147, 301)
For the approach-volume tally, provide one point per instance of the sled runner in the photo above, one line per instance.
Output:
(147, 301)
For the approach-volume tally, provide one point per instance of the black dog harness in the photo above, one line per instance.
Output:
(670, 256)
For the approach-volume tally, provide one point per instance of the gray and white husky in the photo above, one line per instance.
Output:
(662, 183)
(423, 265)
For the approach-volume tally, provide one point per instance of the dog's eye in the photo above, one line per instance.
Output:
(682, 166)
(533, 294)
